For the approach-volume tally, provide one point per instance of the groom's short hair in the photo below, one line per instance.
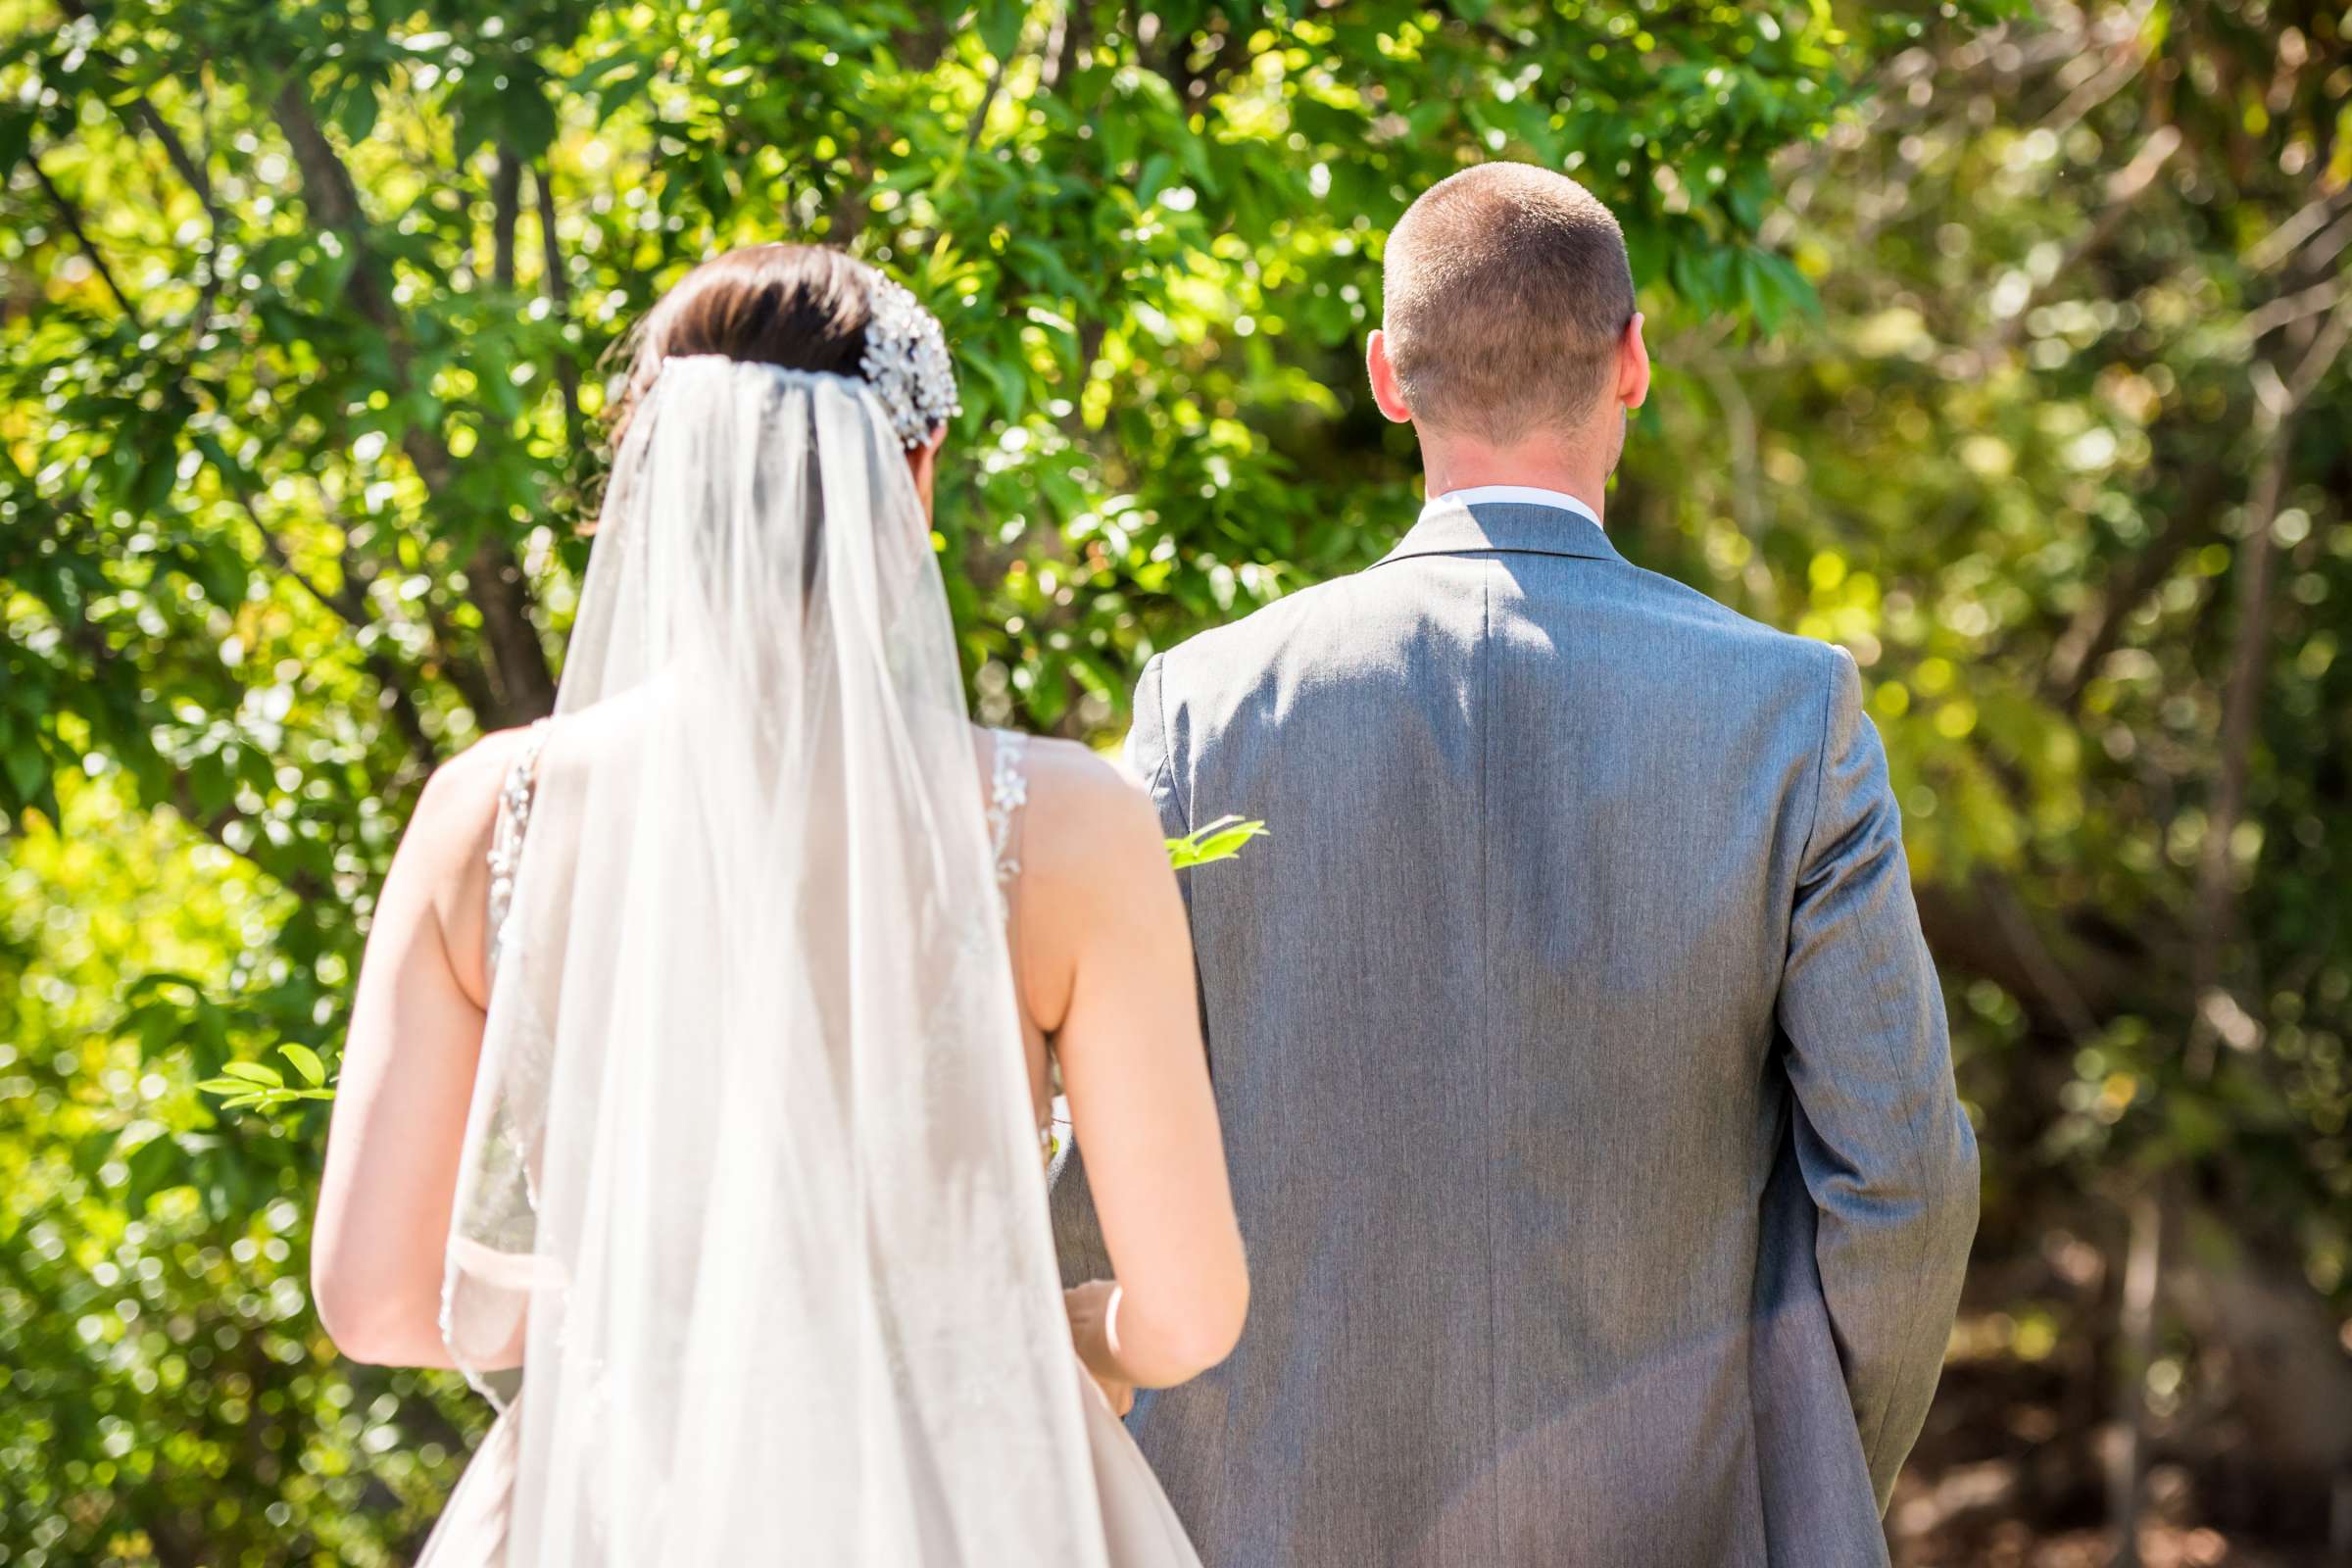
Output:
(1505, 292)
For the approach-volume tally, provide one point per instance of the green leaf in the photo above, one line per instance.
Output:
(593, 75)
(1220, 839)
(1153, 179)
(531, 122)
(153, 1168)
(92, 1150)
(16, 135)
(28, 768)
(1001, 23)
(1011, 386)
(306, 1063)
(355, 115)
(255, 1073)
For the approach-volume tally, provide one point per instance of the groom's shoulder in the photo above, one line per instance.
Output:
(1247, 643)
(1340, 610)
(1680, 608)
(1701, 646)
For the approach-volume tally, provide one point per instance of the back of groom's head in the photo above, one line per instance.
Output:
(1506, 295)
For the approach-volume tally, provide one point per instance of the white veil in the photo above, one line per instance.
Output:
(751, 1192)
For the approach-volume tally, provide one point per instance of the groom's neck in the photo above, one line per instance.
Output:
(1454, 462)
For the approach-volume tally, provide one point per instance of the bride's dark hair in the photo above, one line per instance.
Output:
(803, 307)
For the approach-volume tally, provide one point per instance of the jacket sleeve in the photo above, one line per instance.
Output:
(1148, 755)
(1884, 1148)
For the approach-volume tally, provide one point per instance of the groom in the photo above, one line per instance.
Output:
(1583, 1072)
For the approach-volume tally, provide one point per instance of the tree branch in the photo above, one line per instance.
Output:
(2092, 635)
(525, 686)
(2049, 978)
(390, 679)
(141, 115)
(334, 199)
(2075, 656)
(2130, 57)
(2289, 308)
(2124, 187)
(2322, 357)
(988, 101)
(2282, 242)
(506, 198)
(556, 281)
(1747, 479)
(2072, 973)
(468, 678)
(71, 217)
(353, 613)
(351, 605)
(2214, 914)
(2216, 907)
(1071, 32)
(214, 825)
(177, 150)
(396, 697)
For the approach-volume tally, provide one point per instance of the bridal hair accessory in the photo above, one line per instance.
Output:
(905, 363)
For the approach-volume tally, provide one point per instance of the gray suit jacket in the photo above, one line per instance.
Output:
(1583, 1072)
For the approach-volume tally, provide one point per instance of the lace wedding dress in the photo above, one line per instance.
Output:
(750, 1245)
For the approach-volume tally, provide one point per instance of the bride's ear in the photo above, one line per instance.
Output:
(923, 463)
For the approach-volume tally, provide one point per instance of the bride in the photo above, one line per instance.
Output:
(693, 1096)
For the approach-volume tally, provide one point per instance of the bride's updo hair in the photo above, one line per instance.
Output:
(801, 307)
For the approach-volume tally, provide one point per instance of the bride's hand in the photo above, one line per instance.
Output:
(1120, 1397)
(1093, 1309)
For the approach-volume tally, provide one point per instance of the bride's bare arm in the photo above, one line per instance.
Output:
(408, 1077)
(1107, 966)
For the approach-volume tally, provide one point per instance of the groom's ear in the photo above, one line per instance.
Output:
(1633, 366)
(1387, 391)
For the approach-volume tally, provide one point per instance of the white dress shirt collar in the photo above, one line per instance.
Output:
(1524, 495)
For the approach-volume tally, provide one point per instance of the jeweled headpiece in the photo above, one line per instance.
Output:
(905, 363)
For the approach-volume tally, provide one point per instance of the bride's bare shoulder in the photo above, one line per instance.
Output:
(1087, 816)
(441, 873)
(463, 792)
(1096, 896)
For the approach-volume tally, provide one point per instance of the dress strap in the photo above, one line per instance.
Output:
(1007, 793)
(513, 821)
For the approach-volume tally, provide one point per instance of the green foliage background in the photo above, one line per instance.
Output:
(2004, 350)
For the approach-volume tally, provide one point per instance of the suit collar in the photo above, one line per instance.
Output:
(1513, 528)
(1527, 494)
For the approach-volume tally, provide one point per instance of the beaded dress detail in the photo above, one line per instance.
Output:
(1007, 793)
(506, 837)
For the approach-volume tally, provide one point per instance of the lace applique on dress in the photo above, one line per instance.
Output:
(511, 1152)
(506, 837)
(1007, 793)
